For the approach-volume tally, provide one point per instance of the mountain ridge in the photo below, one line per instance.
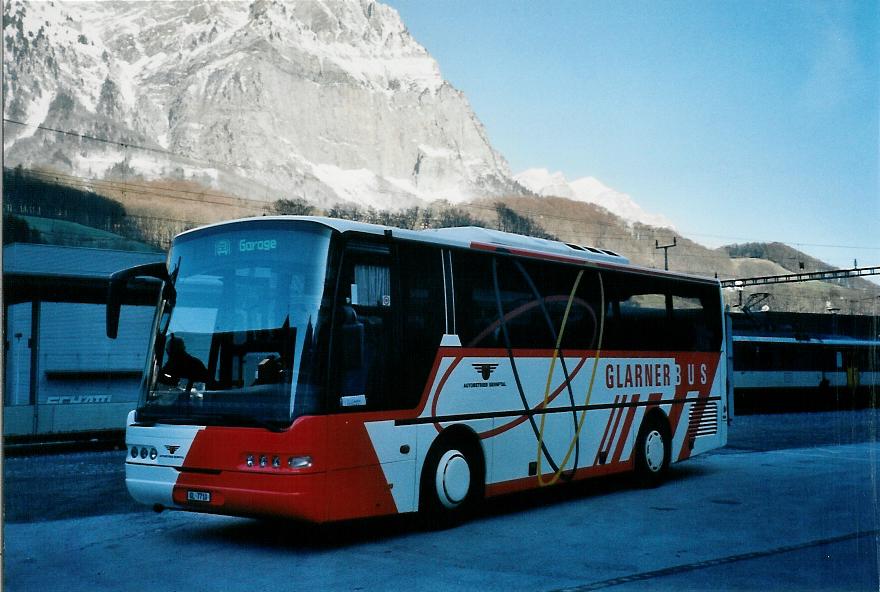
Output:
(193, 90)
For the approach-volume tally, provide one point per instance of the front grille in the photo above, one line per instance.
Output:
(197, 470)
(703, 419)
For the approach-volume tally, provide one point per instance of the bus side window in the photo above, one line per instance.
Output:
(695, 316)
(554, 283)
(477, 302)
(638, 313)
(475, 307)
(534, 298)
(423, 320)
(658, 314)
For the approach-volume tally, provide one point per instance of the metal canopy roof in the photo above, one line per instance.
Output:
(26, 259)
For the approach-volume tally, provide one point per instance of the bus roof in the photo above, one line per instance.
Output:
(478, 238)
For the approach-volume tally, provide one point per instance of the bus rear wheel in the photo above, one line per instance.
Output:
(653, 451)
(452, 484)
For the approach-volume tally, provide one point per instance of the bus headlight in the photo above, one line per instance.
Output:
(153, 453)
(299, 462)
(275, 461)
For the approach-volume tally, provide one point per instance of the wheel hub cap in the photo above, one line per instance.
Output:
(654, 450)
(453, 478)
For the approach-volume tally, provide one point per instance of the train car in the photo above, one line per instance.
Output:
(63, 379)
(802, 361)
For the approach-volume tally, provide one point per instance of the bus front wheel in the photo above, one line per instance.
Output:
(653, 451)
(451, 485)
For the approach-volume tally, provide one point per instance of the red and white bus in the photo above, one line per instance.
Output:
(323, 369)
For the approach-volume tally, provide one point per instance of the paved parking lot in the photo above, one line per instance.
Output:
(802, 515)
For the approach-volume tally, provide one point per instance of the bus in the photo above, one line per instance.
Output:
(325, 370)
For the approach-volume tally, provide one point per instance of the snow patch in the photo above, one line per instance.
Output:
(349, 184)
(589, 190)
(36, 115)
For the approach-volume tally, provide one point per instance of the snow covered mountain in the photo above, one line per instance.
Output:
(590, 190)
(328, 100)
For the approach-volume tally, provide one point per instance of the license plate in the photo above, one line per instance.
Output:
(198, 496)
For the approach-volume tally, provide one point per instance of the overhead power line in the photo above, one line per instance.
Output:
(145, 189)
(125, 144)
(801, 277)
(91, 138)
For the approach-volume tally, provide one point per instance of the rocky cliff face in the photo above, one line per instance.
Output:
(328, 100)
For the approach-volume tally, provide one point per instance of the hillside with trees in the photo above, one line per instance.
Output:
(137, 215)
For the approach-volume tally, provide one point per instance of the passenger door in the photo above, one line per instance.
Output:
(365, 327)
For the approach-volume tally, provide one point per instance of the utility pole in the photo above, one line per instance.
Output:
(665, 248)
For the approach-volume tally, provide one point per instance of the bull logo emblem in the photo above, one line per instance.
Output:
(172, 448)
(485, 370)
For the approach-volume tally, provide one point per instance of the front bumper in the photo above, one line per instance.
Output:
(235, 493)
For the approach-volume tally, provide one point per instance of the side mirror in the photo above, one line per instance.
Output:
(119, 285)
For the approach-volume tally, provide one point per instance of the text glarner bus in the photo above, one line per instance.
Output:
(325, 370)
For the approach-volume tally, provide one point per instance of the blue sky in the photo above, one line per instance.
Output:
(740, 121)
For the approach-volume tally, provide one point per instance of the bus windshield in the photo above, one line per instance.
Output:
(237, 339)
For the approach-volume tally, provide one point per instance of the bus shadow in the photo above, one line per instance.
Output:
(581, 490)
(280, 533)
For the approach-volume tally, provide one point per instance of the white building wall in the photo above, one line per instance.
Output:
(79, 364)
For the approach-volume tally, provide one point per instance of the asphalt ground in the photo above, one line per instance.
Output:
(41, 486)
(790, 504)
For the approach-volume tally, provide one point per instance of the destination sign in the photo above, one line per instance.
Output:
(245, 245)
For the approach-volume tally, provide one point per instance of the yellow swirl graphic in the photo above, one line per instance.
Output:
(583, 416)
